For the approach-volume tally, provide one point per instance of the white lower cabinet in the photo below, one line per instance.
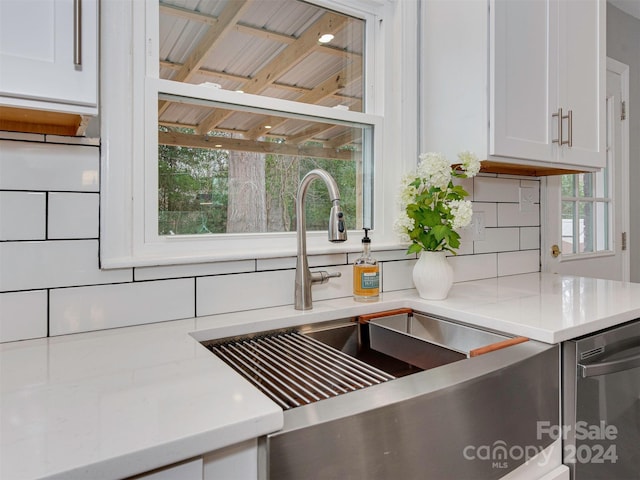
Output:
(235, 462)
(560, 473)
(189, 470)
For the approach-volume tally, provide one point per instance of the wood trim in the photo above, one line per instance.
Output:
(27, 120)
(210, 142)
(488, 166)
(497, 346)
(387, 313)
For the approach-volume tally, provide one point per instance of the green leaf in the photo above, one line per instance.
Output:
(440, 232)
(414, 248)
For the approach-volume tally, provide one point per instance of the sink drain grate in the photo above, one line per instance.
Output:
(294, 370)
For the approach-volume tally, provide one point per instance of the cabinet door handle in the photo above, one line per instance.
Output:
(570, 120)
(559, 117)
(77, 33)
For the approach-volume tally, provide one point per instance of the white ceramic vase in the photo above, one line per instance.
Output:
(432, 275)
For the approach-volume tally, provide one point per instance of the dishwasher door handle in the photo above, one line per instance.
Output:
(612, 366)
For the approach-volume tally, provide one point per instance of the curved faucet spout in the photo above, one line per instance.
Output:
(337, 233)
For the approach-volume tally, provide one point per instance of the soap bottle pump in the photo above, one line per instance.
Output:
(366, 274)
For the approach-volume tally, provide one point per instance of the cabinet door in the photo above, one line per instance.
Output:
(37, 50)
(582, 81)
(522, 67)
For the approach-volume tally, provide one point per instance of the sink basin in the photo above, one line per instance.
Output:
(372, 424)
(426, 341)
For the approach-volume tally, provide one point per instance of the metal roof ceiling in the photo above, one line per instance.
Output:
(265, 47)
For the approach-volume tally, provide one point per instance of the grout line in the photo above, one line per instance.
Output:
(48, 312)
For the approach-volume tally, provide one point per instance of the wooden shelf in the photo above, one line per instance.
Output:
(40, 121)
(526, 170)
(488, 166)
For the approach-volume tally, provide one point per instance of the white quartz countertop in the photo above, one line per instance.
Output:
(114, 403)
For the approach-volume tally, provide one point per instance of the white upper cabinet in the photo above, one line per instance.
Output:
(518, 82)
(49, 55)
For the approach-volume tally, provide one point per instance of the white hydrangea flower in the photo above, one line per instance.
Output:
(408, 192)
(462, 211)
(435, 169)
(403, 225)
(470, 163)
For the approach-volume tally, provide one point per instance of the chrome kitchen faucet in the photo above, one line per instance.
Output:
(337, 233)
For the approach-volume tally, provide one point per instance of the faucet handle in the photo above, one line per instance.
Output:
(323, 276)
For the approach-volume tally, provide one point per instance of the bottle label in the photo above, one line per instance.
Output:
(369, 280)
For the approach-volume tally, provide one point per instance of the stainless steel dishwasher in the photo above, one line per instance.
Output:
(602, 404)
(401, 396)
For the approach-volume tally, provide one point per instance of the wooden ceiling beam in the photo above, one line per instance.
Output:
(226, 143)
(187, 14)
(354, 102)
(287, 58)
(323, 90)
(217, 31)
(347, 138)
(263, 33)
(307, 134)
(293, 54)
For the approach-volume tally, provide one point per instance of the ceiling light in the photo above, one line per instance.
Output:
(326, 38)
(267, 126)
(218, 146)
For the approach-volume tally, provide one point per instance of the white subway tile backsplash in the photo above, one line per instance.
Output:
(498, 240)
(397, 275)
(278, 263)
(335, 287)
(50, 275)
(473, 267)
(23, 215)
(23, 315)
(510, 215)
(489, 211)
(290, 262)
(100, 307)
(50, 264)
(245, 291)
(530, 238)
(27, 137)
(383, 255)
(197, 270)
(513, 263)
(41, 166)
(534, 185)
(95, 142)
(73, 215)
(467, 184)
(488, 189)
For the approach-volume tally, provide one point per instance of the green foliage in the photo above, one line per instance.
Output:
(433, 206)
(193, 190)
(434, 219)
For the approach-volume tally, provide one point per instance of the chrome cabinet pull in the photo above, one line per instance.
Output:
(559, 116)
(569, 117)
(77, 33)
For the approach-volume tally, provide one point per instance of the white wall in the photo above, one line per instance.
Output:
(51, 283)
(623, 44)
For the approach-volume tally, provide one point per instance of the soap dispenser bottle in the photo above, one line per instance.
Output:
(366, 274)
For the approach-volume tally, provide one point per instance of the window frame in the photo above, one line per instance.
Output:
(594, 201)
(129, 133)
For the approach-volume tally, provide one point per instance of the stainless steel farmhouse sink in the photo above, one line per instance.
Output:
(398, 395)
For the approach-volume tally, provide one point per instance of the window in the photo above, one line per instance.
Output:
(212, 115)
(586, 213)
(228, 168)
